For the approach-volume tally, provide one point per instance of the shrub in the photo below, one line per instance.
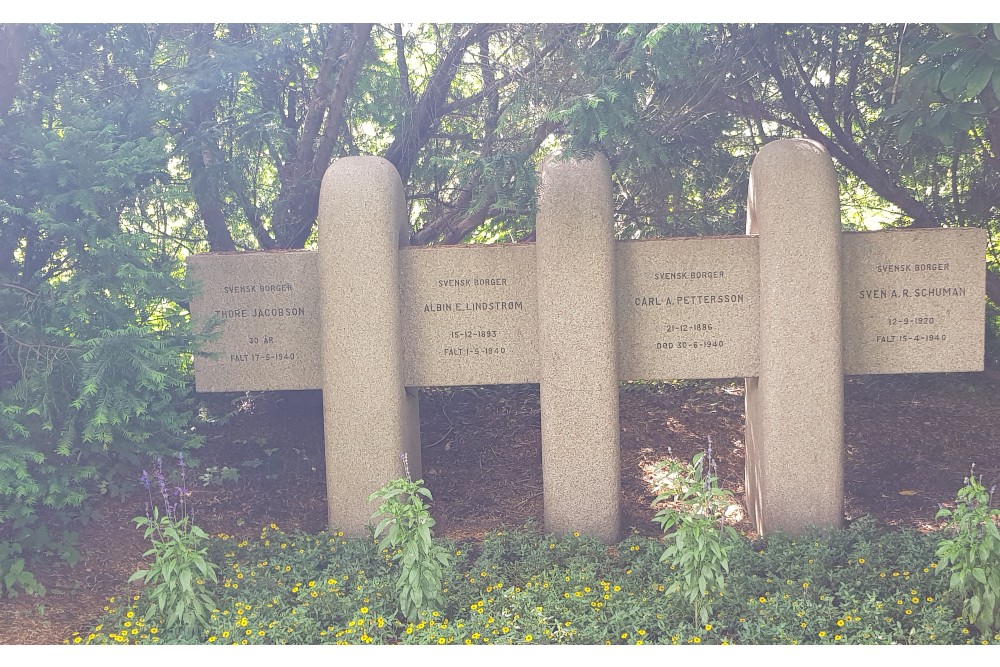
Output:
(972, 555)
(329, 589)
(696, 533)
(406, 523)
(180, 565)
(102, 359)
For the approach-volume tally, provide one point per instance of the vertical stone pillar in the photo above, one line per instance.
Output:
(577, 348)
(795, 407)
(368, 415)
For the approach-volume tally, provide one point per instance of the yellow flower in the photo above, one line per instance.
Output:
(696, 640)
(364, 610)
(212, 639)
(805, 584)
(528, 638)
(822, 633)
(708, 628)
(840, 622)
(836, 638)
(861, 561)
(762, 599)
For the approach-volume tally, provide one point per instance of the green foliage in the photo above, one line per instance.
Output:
(862, 585)
(406, 522)
(13, 576)
(945, 81)
(972, 555)
(103, 362)
(94, 347)
(696, 534)
(180, 566)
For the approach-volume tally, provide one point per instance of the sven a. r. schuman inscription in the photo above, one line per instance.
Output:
(687, 308)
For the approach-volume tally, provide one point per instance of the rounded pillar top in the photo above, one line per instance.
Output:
(791, 179)
(358, 190)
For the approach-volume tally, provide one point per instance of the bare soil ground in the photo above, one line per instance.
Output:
(910, 442)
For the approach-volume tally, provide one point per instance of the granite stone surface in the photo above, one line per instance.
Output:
(795, 405)
(913, 301)
(470, 315)
(369, 417)
(577, 333)
(267, 306)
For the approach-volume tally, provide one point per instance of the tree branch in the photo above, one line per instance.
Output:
(415, 125)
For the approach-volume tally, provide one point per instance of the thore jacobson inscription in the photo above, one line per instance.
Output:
(270, 356)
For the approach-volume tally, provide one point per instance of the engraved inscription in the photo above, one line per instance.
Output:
(471, 315)
(268, 329)
(913, 301)
(687, 308)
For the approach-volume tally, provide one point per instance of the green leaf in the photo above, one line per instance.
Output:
(979, 78)
(905, 132)
(962, 28)
(956, 78)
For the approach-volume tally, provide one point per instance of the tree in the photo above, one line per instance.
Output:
(903, 109)
(92, 339)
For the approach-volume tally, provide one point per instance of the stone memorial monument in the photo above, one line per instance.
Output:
(792, 306)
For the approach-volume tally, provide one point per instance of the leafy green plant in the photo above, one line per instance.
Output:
(219, 475)
(12, 572)
(973, 553)
(862, 585)
(180, 565)
(406, 523)
(696, 533)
